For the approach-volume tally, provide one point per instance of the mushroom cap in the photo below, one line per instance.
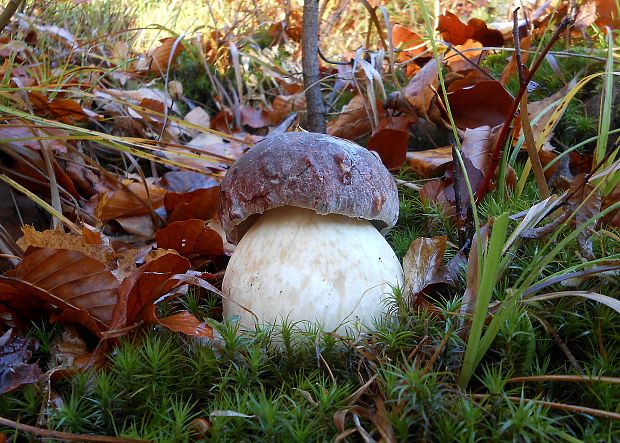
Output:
(327, 174)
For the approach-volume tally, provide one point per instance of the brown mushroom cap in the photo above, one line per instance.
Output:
(327, 174)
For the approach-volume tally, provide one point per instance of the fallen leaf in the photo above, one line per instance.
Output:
(64, 280)
(142, 289)
(431, 162)
(70, 355)
(486, 103)
(285, 105)
(422, 265)
(453, 30)
(131, 200)
(15, 352)
(164, 55)
(411, 45)
(391, 145)
(199, 204)
(355, 119)
(190, 238)
(186, 323)
(199, 117)
(56, 239)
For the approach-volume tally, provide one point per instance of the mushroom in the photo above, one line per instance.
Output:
(306, 211)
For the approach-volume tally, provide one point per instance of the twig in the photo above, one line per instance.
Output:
(496, 152)
(560, 406)
(333, 62)
(310, 63)
(8, 12)
(525, 120)
(566, 378)
(561, 344)
(59, 435)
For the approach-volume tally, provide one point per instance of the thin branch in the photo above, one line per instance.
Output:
(58, 435)
(565, 378)
(496, 152)
(8, 12)
(310, 63)
(560, 406)
(539, 175)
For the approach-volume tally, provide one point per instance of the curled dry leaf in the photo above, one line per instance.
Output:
(411, 45)
(198, 204)
(142, 289)
(486, 103)
(160, 59)
(390, 140)
(422, 265)
(134, 199)
(70, 354)
(183, 322)
(355, 119)
(430, 163)
(190, 238)
(418, 95)
(454, 31)
(15, 352)
(63, 280)
(56, 239)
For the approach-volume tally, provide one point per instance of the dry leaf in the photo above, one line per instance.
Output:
(422, 266)
(430, 163)
(15, 352)
(190, 238)
(129, 201)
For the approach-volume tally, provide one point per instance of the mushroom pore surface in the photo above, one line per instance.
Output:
(298, 265)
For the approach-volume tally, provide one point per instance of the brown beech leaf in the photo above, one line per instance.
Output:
(487, 103)
(70, 354)
(190, 238)
(56, 239)
(184, 322)
(186, 181)
(422, 265)
(65, 280)
(419, 92)
(140, 290)
(469, 56)
(434, 191)
(430, 163)
(198, 204)
(410, 44)
(15, 352)
(285, 105)
(254, 118)
(163, 55)
(391, 145)
(129, 201)
(354, 121)
(453, 30)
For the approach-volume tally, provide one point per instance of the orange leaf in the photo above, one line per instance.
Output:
(186, 323)
(391, 145)
(162, 56)
(453, 30)
(64, 280)
(131, 200)
(190, 238)
(140, 290)
(199, 204)
(487, 103)
(430, 163)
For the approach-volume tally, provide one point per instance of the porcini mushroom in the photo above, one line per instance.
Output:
(306, 211)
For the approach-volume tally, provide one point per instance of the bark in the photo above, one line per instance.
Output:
(8, 12)
(310, 63)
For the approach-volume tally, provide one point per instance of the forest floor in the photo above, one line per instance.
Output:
(118, 121)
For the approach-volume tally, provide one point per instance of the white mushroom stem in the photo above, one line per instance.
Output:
(297, 265)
